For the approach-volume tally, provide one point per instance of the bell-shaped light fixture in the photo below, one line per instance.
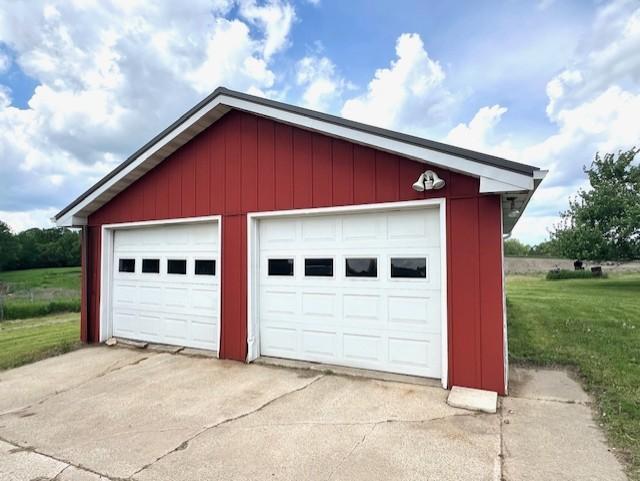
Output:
(418, 185)
(428, 180)
(513, 211)
(438, 183)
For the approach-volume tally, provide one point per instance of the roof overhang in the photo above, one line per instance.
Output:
(497, 175)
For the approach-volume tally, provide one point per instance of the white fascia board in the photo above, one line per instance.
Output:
(540, 174)
(416, 152)
(488, 185)
(70, 220)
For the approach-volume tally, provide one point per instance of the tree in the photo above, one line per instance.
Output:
(8, 247)
(515, 248)
(57, 247)
(603, 222)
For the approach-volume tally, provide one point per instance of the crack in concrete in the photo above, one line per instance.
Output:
(368, 423)
(554, 400)
(110, 369)
(185, 443)
(32, 449)
(57, 476)
(501, 452)
(351, 451)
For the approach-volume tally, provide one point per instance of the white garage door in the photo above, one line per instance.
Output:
(166, 284)
(360, 290)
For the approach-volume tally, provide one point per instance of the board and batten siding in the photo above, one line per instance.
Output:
(245, 163)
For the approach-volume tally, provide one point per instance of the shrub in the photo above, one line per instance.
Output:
(567, 274)
(26, 310)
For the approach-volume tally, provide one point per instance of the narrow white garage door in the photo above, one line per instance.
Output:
(166, 284)
(360, 290)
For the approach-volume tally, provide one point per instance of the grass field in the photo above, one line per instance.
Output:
(28, 340)
(594, 326)
(40, 292)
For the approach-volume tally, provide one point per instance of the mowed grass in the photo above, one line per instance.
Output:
(594, 326)
(40, 292)
(28, 340)
(54, 277)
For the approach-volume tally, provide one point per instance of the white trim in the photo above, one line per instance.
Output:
(106, 266)
(253, 249)
(505, 341)
(422, 154)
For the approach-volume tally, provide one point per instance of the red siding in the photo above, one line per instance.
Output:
(245, 163)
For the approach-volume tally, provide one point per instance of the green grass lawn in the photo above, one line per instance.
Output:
(593, 325)
(28, 340)
(40, 292)
(54, 277)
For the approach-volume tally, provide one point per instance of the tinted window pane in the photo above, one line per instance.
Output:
(367, 267)
(205, 267)
(127, 265)
(280, 267)
(318, 267)
(151, 265)
(176, 266)
(413, 267)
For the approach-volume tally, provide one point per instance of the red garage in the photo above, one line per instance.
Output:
(254, 228)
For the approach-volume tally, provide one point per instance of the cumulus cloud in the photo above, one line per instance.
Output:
(409, 95)
(321, 83)
(594, 106)
(112, 74)
(478, 133)
(274, 18)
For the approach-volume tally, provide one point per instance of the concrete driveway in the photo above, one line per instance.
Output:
(117, 413)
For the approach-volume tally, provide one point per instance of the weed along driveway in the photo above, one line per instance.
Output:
(118, 413)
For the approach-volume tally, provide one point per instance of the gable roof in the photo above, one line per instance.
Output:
(496, 174)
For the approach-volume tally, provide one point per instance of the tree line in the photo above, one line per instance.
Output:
(32, 248)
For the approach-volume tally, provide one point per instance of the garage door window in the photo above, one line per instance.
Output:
(151, 266)
(409, 267)
(361, 267)
(318, 267)
(280, 267)
(205, 267)
(127, 265)
(176, 266)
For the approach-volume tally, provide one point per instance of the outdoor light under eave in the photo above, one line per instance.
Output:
(513, 212)
(428, 180)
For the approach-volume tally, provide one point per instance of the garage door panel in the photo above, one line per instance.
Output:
(361, 347)
(318, 304)
(361, 307)
(177, 309)
(278, 339)
(319, 343)
(378, 322)
(414, 312)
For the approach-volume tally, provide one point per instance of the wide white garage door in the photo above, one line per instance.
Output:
(360, 290)
(166, 284)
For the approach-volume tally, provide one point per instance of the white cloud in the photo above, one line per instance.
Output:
(408, 95)
(322, 84)
(594, 106)
(5, 62)
(19, 221)
(478, 133)
(274, 18)
(113, 74)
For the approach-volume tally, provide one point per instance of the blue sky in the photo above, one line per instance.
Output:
(84, 83)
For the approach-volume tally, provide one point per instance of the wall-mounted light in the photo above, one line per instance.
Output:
(428, 180)
(513, 212)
